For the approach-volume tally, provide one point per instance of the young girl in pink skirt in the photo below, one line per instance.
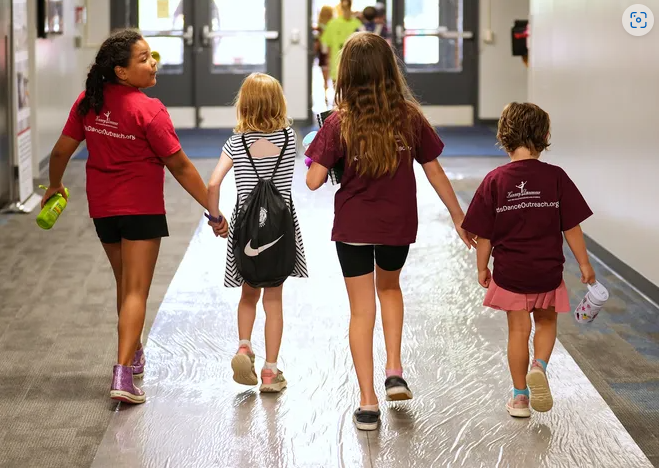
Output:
(519, 214)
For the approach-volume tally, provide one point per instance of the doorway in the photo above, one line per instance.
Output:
(206, 48)
(436, 41)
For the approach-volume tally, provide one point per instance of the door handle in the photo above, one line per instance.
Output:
(441, 32)
(187, 35)
(207, 34)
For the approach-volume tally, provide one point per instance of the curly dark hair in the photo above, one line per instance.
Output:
(524, 125)
(115, 51)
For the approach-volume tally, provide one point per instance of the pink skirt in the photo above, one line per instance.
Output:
(501, 299)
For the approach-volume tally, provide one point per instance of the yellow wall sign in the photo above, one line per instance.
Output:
(162, 8)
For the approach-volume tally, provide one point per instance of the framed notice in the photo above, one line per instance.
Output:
(22, 152)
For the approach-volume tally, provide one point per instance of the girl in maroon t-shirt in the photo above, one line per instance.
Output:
(378, 131)
(130, 139)
(519, 213)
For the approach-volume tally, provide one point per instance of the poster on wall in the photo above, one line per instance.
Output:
(21, 108)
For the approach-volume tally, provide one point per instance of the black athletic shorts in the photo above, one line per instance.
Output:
(131, 227)
(359, 260)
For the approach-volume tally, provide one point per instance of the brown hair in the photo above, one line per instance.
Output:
(376, 107)
(261, 105)
(524, 125)
(325, 14)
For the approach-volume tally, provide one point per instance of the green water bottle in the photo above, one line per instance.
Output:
(52, 209)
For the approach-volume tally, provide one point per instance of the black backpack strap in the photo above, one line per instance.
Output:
(277, 165)
(282, 152)
(247, 150)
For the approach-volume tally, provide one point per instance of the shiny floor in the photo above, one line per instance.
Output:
(455, 362)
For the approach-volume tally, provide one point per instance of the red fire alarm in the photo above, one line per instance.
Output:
(81, 15)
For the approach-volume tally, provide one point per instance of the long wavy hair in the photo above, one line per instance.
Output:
(376, 107)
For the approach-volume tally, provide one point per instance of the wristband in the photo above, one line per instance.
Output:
(214, 219)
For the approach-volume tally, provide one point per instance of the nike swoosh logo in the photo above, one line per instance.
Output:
(250, 251)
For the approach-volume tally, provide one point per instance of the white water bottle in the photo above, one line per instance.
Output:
(592, 303)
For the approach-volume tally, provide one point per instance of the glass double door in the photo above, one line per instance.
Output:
(437, 42)
(206, 48)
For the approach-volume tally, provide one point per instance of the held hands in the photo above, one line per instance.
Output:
(587, 274)
(468, 238)
(51, 191)
(484, 278)
(219, 226)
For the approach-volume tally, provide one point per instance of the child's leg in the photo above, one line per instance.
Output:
(389, 263)
(138, 263)
(274, 323)
(247, 311)
(273, 379)
(362, 302)
(392, 315)
(114, 254)
(243, 362)
(545, 333)
(546, 328)
(519, 325)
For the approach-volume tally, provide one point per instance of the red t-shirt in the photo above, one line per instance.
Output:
(126, 141)
(383, 210)
(523, 208)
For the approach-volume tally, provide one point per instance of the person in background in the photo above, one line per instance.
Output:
(321, 50)
(370, 23)
(336, 34)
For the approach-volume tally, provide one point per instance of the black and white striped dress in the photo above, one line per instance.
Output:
(246, 179)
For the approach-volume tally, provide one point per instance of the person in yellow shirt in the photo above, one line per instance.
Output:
(336, 34)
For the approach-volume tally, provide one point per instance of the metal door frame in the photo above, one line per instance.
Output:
(197, 99)
(395, 7)
(448, 106)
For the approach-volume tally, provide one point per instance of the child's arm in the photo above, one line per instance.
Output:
(483, 255)
(59, 159)
(224, 166)
(316, 176)
(576, 242)
(187, 175)
(443, 188)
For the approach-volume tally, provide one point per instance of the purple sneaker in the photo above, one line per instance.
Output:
(122, 388)
(139, 363)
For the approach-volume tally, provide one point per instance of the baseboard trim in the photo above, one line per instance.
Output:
(636, 280)
(487, 122)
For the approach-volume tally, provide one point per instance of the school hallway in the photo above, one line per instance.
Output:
(58, 345)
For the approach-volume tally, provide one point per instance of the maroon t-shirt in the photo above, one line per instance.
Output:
(523, 208)
(383, 210)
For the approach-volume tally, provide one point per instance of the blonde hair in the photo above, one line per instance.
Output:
(261, 105)
(325, 14)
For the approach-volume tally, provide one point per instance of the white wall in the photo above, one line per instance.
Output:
(601, 88)
(295, 70)
(59, 70)
(503, 78)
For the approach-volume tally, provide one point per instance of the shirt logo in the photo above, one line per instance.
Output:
(252, 252)
(105, 121)
(523, 193)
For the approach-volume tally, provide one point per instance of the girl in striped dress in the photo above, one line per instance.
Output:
(262, 116)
